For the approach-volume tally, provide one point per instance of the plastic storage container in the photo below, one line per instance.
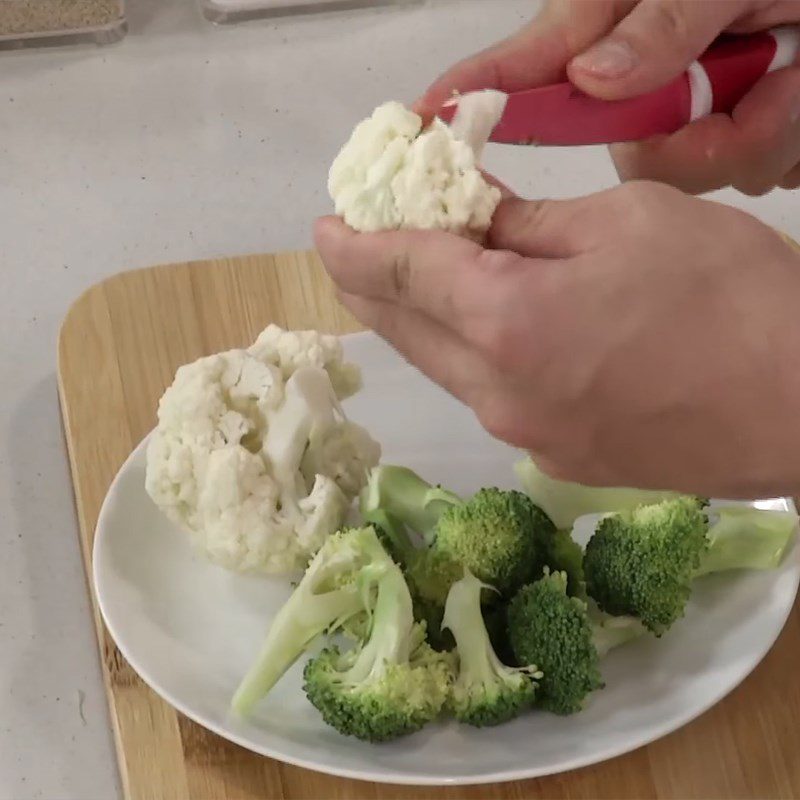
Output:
(224, 11)
(40, 22)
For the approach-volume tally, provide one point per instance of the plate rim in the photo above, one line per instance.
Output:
(394, 777)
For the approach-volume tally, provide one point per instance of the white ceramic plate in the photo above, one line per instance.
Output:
(191, 629)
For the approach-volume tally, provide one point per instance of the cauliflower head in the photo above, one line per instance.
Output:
(392, 174)
(253, 455)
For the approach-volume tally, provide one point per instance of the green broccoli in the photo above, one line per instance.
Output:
(643, 562)
(495, 618)
(493, 534)
(338, 586)
(609, 631)
(486, 691)
(548, 628)
(429, 574)
(744, 537)
(390, 685)
(406, 497)
(561, 553)
(564, 502)
(564, 639)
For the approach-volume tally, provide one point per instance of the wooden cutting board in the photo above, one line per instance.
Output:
(118, 350)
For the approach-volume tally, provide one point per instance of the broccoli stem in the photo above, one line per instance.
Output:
(609, 631)
(337, 585)
(399, 542)
(486, 691)
(743, 537)
(478, 662)
(291, 632)
(564, 502)
(390, 640)
(403, 495)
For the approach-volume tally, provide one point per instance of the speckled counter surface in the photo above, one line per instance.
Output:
(185, 141)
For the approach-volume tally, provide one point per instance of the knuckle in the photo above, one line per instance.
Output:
(494, 416)
(572, 457)
(400, 274)
(766, 135)
(582, 471)
(536, 214)
(507, 294)
(500, 344)
(335, 252)
(754, 184)
(497, 263)
(758, 169)
(641, 203)
(556, 468)
(670, 20)
(515, 347)
(652, 193)
(514, 422)
(790, 182)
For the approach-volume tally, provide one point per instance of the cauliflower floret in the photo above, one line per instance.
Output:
(440, 187)
(341, 454)
(323, 511)
(229, 459)
(391, 174)
(290, 350)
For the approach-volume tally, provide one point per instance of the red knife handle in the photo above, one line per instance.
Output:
(715, 83)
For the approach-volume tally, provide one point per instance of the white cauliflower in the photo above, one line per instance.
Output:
(393, 174)
(253, 455)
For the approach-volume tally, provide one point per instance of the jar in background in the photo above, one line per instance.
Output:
(39, 22)
(224, 11)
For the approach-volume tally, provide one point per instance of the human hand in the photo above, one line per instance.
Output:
(615, 49)
(636, 337)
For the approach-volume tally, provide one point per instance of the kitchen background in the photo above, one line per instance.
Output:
(183, 141)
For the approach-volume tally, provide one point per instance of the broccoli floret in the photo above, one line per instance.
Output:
(564, 502)
(486, 691)
(429, 575)
(561, 553)
(549, 628)
(493, 534)
(337, 587)
(643, 562)
(389, 686)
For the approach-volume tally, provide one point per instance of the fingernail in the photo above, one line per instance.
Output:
(327, 224)
(608, 59)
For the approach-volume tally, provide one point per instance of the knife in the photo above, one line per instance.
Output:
(563, 115)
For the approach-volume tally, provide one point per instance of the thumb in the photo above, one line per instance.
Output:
(534, 56)
(652, 45)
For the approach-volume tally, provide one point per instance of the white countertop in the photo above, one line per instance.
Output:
(185, 141)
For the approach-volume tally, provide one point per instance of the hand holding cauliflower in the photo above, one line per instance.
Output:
(253, 454)
(393, 174)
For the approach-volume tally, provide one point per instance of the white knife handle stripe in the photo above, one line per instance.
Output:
(787, 45)
(701, 93)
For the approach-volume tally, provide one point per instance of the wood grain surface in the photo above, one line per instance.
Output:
(118, 350)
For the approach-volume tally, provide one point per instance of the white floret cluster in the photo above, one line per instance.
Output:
(253, 454)
(393, 174)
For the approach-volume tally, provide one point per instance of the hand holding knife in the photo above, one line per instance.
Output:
(561, 114)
